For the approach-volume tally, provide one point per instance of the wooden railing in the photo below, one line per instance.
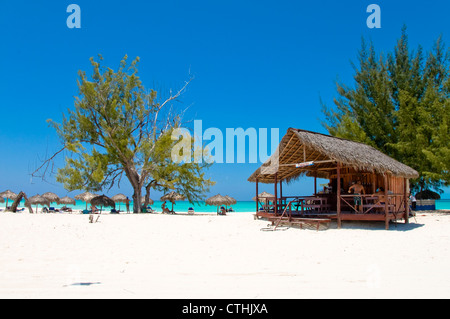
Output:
(299, 204)
(371, 203)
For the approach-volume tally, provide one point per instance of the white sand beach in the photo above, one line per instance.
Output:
(209, 256)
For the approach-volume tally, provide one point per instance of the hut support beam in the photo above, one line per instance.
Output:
(338, 168)
(386, 202)
(257, 199)
(405, 192)
(276, 195)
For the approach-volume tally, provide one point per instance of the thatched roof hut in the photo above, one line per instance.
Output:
(344, 163)
(318, 153)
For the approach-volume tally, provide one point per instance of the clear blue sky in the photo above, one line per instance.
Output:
(261, 64)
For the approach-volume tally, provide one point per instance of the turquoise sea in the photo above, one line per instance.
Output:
(241, 206)
(443, 204)
(182, 206)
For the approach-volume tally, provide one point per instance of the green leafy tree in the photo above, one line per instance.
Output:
(399, 105)
(117, 128)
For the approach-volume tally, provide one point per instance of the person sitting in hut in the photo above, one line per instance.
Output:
(380, 195)
(358, 189)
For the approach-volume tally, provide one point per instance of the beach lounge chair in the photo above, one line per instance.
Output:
(114, 211)
(66, 209)
(53, 210)
(191, 211)
(86, 211)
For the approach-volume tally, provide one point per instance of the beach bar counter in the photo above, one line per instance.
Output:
(364, 184)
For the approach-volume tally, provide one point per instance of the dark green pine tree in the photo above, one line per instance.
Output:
(400, 105)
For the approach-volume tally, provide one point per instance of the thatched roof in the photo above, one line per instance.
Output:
(217, 200)
(172, 197)
(150, 201)
(38, 200)
(67, 201)
(103, 201)
(231, 200)
(319, 155)
(85, 197)
(263, 196)
(52, 197)
(119, 198)
(8, 194)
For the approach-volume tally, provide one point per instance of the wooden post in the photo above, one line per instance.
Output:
(374, 181)
(386, 202)
(281, 195)
(257, 199)
(338, 168)
(276, 195)
(281, 189)
(315, 183)
(406, 194)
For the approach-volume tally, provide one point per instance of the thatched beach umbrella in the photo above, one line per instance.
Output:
(263, 196)
(85, 197)
(150, 201)
(217, 200)
(8, 195)
(231, 200)
(52, 197)
(67, 201)
(38, 200)
(103, 201)
(119, 198)
(172, 197)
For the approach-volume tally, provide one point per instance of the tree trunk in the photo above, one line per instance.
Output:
(137, 201)
(147, 193)
(136, 183)
(17, 201)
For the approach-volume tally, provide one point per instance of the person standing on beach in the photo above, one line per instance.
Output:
(127, 203)
(413, 200)
(358, 189)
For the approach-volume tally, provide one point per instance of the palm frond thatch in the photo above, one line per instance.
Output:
(52, 197)
(67, 201)
(231, 200)
(264, 195)
(8, 194)
(322, 152)
(38, 200)
(172, 197)
(103, 201)
(217, 200)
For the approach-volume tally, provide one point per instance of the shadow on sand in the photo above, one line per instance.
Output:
(378, 225)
